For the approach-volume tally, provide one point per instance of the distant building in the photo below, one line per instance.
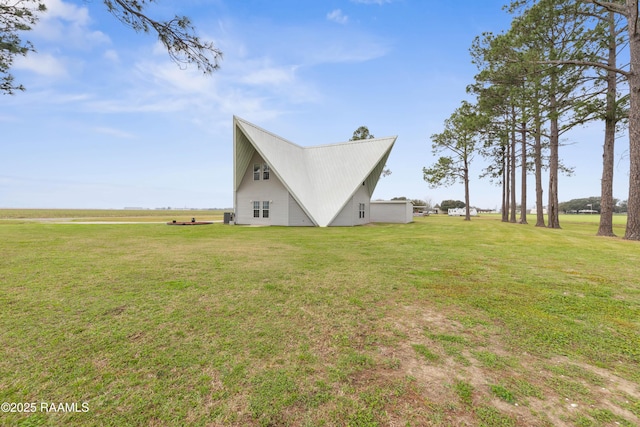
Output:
(462, 212)
(277, 182)
(534, 211)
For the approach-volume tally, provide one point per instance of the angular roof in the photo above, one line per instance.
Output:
(322, 178)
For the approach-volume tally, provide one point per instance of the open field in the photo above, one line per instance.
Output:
(107, 215)
(439, 322)
(618, 219)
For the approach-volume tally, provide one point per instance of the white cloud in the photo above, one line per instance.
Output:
(337, 16)
(168, 75)
(69, 24)
(130, 103)
(111, 55)
(268, 76)
(346, 48)
(43, 64)
(66, 11)
(263, 73)
(255, 80)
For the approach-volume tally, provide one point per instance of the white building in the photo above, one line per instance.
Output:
(399, 211)
(277, 182)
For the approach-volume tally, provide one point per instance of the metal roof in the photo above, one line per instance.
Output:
(322, 178)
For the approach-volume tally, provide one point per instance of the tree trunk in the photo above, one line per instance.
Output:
(467, 216)
(512, 215)
(552, 207)
(633, 209)
(505, 183)
(512, 156)
(523, 196)
(538, 164)
(606, 191)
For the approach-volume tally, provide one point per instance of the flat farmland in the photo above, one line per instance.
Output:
(438, 322)
(108, 215)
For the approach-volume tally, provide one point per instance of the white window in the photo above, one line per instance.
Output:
(256, 209)
(361, 210)
(256, 172)
(265, 172)
(265, 209)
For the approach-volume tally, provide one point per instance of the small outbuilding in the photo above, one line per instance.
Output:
(396, 211)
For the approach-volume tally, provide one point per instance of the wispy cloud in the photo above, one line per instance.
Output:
(67, 11)
(337, 16)
(62, 36)
(111, 55)
(115, 132)
(378, 2)
(255, 80)
(67, 23)
(270, 76)
(346, 48)
(43, 64)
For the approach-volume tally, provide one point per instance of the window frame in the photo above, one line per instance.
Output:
(266, 172)
(266, 207)
(256, 209)
(257, 171)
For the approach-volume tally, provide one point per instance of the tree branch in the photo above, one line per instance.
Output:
(613, 7)
(176, 35)
(586, 64)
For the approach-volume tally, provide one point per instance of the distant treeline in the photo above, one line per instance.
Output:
(591, 203)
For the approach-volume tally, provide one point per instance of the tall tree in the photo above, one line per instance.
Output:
(458, 139)
(630, 38)
(554, 31)
(494, 102)
(504, 95)
(629, 10)
(612, 109)
(631, 13)
(603, 35)
(178, 35)
(361, 133)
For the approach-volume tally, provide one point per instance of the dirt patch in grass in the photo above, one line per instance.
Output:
(514, 386)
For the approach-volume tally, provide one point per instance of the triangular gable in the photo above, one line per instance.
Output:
(338, 171)
(285, 159)
(321, 179)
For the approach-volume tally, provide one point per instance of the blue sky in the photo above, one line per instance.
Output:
(108, 121)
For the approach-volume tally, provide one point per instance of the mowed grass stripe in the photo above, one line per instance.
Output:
(227, 325)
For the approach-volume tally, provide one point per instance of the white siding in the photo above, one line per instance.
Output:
(296, 215)
(270, 190)
(350, 213)
(392, 211)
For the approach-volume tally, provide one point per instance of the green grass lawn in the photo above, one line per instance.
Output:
(439, 322)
